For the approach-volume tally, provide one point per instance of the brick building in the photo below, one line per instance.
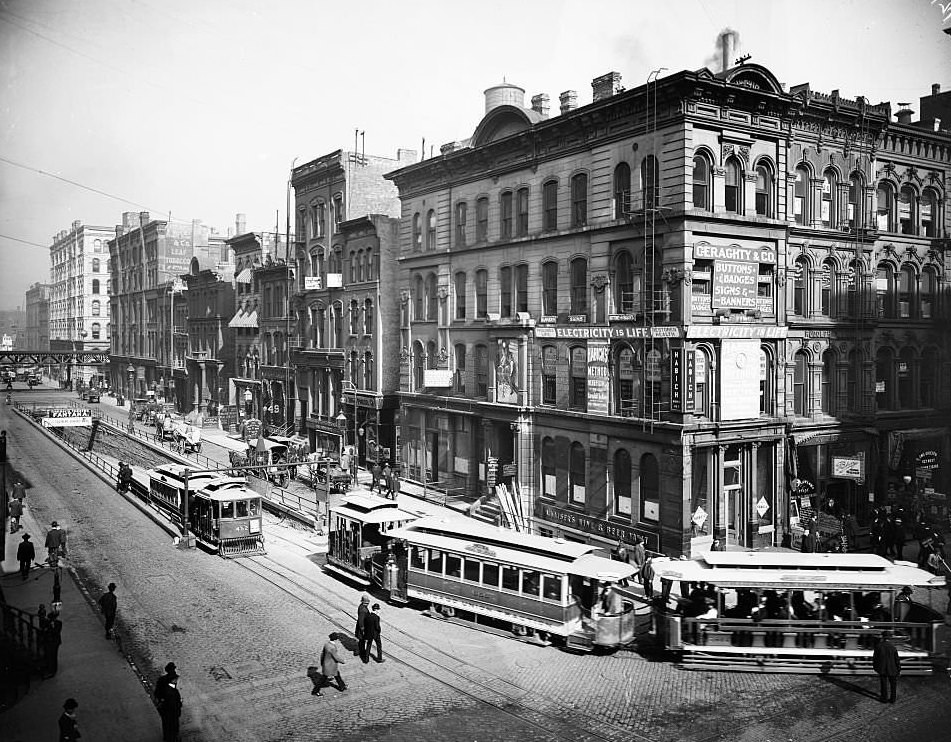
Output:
(37, 327)
(622, 310)
(345, 319)
(209, 362)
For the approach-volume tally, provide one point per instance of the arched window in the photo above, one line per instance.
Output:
(907, 213)
(97, 246)
(550, 205)
(95, 264)
(505, 215)
(369, 375)
(884, 205)
(576, 474)
(906, 292)
(630, 378)
(827, 382)
(459, 375)
(460, 291)
(482, 219)
(338, 324)
(650, 181)
(95, 285)
(764, 190)
(929, 291)
(701, 182)
(353, 267)
(801, 195)
(800, 385)
(622, 482)
(369, 320)
(826, 288)
(578, 379)
(856, 201)
(354, 317)
(800, 295)
(461, 209)
(549, 375)
(928, 386)
(704, 383)
(360, 265)
(626, 284)
(482, 293)
(579, 286)
(431, 230)
(432, 356)
(884, 393)
(550, 288)
(505, 291)
(650, 487)
(418, 366)
(354, 368)
(419, 299)
(852, 288)
(370, 270)
(733, 195)
(521, 212)
(907, 398)
(549, 468)
(827, 206)
(622, 190)
(96, 308)
(885, 291)
(929, 213)
(482, 371)
(417, 233)
(766, 375)
(432, 298)
(854, 383)
(96, 330)
(579, 200)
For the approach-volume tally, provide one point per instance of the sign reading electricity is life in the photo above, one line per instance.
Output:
(67, 417)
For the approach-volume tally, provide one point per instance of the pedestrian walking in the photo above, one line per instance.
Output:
(16, 512)
(362, 610)
(330, 661)
(109, 605)
(52, 639)
(898, 533)
(388, 478)
(168, 700)
(376, 477)
(25, 555)
(68, 727)
(55, 543)
(647, 578)
(887, 664)
(394, 483)
(639, 553)
(371, 634)
(19, 490)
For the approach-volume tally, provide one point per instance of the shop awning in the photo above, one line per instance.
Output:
(244, 276)
(242, 319)
(817, 437)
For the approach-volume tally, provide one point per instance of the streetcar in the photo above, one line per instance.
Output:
(223, 513)
(541, 589)
(794, 612)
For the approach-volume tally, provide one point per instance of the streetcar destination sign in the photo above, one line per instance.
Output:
(67, 417)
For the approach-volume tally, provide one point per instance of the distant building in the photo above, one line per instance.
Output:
(37, 328)
(210, 357)
(79, 311)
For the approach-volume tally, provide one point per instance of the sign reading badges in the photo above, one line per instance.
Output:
(734, 284)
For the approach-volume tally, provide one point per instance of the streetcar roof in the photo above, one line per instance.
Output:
(175, 474)
(368, 508)
(481, 540)
(788, 570)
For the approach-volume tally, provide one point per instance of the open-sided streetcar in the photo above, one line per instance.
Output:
(793, 612)
(223, 513)
(539, 588)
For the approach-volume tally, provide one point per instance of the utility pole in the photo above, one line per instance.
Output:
(3, 491)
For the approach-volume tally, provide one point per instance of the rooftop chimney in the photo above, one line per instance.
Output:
(540, 104)
(143, 218)
(726, 50)
(569, 101)
(240, 223)
(904, 115)
(606, 86)
(406, 155)
(935, 89)
(504, 94)
(77, 224)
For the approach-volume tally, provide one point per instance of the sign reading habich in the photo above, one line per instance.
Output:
(683, 379)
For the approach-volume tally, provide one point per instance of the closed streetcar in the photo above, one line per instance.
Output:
(223, 513)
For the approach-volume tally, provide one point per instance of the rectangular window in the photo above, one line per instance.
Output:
(434, 565)
(552, 587)
(461, 224)
(482, 297)
(471, 570)
(531, 582)
(550, 289)
(578, 372)
(505, 291)
(482, 220)
(510, 578)
(579, 200)
(460, 296)
(521, 223)
(521, 288)
(549, 375)
(550, 205)
(505, 225)
(490, 575)
(453, 565)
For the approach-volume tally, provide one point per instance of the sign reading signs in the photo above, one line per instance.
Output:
(734, 284)
(67, 417)
(927, 460)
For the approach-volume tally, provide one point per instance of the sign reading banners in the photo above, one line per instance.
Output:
(734, 284)
(67, 417)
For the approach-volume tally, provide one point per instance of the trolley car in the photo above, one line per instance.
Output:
(223, 513)
(539, 588)
(792, 612)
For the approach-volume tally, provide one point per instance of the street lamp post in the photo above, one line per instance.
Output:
(248, 398)
(131, 391)
(356, 446)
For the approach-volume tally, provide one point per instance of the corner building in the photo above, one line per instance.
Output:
(595, 306)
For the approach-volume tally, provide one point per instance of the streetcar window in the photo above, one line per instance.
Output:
(510, 578)
(435, 562)
(530, 582)
(471, 570)
(254, 507)
(552, 589)
(242, 508)
(490, 575)
(453, 565)
(417, 557)
(227, 510)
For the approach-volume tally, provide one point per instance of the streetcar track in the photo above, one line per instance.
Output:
(510, 699)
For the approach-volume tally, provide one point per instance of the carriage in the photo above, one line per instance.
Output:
(320, 470)
(187, 438)
(164, 426)
(267, 452)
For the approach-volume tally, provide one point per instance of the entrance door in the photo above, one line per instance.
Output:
(433, 455)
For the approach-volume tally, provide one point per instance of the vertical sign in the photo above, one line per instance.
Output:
(690, 385)
(683, 372)
(598, 381)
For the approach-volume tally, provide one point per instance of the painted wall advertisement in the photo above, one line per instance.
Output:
(734, 284)
(739, 379)
(598, 380)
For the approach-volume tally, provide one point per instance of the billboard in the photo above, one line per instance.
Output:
(67, 417)
(734, 284)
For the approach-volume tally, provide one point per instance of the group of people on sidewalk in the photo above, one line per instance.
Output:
(384, 476)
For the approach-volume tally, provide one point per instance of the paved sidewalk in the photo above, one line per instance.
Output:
(113, 702)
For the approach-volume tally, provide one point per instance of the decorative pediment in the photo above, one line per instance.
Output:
(911, 255)
(740, 150)
(911, 173)
(934, 177)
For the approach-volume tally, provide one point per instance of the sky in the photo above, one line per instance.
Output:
(199, 108)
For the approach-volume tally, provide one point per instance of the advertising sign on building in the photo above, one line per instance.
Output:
(683, 380)
(739, 380)
(849, 467)
(927, 460)
(312, 282)
(598, 379)
(67, 417)
(734, 284)
(437, 378)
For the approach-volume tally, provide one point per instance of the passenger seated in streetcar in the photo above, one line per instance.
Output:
(802, 609)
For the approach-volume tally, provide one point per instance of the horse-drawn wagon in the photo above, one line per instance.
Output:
(187, 438)
(266, 452)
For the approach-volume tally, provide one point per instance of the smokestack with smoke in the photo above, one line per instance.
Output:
(725, 51)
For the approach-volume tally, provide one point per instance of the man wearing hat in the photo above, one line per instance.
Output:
(362, 611)
(25, 555)
(887, 664)
(68, 728)
(16, 512)
(109, 605)
(169, 703)
(55, 543)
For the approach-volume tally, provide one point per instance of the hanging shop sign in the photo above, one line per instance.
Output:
(849, 467)
(927, 459)
(683, 379)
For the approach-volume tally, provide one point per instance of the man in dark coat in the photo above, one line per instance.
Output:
(55, 543)
(387, 475)
(362, 611)
(330, 661)
(52, 638)
(16, 512)
(109, 605)
(25, 555)
(371, 633)
(376, 477)
(68, 728)
(887, 664)
(168, 699)
(647, 578)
